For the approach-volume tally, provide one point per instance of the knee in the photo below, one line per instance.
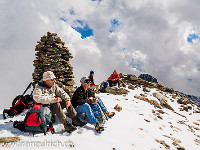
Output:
(86, 106)
(54, 107)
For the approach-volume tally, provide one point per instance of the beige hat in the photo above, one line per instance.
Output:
(48, 75)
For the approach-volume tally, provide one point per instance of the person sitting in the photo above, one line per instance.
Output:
(48, 92)
(91, 77)
(84, 101)
(114, 79)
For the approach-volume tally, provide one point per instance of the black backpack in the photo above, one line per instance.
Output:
(38, 119)
(18, 105)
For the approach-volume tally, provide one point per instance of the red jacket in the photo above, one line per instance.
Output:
(114, 76)
(92, 80)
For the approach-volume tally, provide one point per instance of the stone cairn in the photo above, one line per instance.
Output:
(52, 55)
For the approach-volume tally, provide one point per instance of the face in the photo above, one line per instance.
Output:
(49, 83)
(86, 84)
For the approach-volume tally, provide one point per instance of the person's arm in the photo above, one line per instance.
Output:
(61, 93)
(111, 77)
(91, 93)
(117, 77)
(42, 98)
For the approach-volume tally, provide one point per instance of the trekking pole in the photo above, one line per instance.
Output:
(101, 109)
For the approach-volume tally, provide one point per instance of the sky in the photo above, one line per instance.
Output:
(161, 38)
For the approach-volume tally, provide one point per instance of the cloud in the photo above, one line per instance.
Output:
(147, 37)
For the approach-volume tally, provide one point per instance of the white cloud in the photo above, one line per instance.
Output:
(157, 29)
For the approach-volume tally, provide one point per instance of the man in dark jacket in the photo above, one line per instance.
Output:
(114, 79)
(84, 101)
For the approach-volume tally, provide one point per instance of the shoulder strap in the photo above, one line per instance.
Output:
(29, 86)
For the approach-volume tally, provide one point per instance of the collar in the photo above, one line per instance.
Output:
(41, 83)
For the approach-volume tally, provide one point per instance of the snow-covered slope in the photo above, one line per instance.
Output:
(139, 126)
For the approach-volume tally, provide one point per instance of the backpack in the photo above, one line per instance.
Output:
(18, 105)
(103, 86)
(38, 119)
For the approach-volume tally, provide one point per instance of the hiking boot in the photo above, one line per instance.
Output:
(77, 122)
(98, 127)
(110, 114)
(69, 127)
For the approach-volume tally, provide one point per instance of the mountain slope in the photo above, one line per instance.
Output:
(139, 126)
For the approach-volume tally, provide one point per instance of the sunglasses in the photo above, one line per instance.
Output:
(87, 81)
(53, 79)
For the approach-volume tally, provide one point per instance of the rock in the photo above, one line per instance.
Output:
(148, 78)
(52, 55)
(163, 100)
(9, 139)
(146, 89)
(197, 141)
(146, 120)
(116, 91)
(132, 77)
(118, 108)
(185, 108)
(163, 143)
(152, 102)
(160, 111)
(131, 87)
(180, 148)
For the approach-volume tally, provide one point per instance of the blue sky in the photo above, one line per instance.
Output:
(192, 37)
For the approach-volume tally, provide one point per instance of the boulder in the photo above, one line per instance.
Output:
(118, 108)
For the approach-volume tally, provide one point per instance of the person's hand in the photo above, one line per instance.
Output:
(91, 98)
(57, 100)
(95, 100)
(68, 103)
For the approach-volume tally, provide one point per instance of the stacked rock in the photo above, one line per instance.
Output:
(53, 56)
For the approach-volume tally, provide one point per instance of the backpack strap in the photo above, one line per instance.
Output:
(29, 86)
(18, 98)
(6, 111)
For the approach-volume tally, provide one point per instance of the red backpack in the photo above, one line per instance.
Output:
(38, 119)
(18, 105)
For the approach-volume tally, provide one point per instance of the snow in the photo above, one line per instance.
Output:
(127, 130)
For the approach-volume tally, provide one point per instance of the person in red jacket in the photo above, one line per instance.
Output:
(114, 79)
(91, 77)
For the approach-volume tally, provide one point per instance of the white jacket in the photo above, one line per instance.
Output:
(46, 95)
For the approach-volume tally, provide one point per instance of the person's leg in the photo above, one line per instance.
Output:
(118, 83)
(110, 83)
(71, 113)
(57, 109)
(85, 108)
(102, 104)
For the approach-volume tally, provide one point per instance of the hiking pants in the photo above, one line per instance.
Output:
(57, 108)
(91, 110)
(113, 83)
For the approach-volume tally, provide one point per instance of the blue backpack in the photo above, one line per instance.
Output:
(103, 86)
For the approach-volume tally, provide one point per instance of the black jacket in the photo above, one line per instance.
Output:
(81, 96)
